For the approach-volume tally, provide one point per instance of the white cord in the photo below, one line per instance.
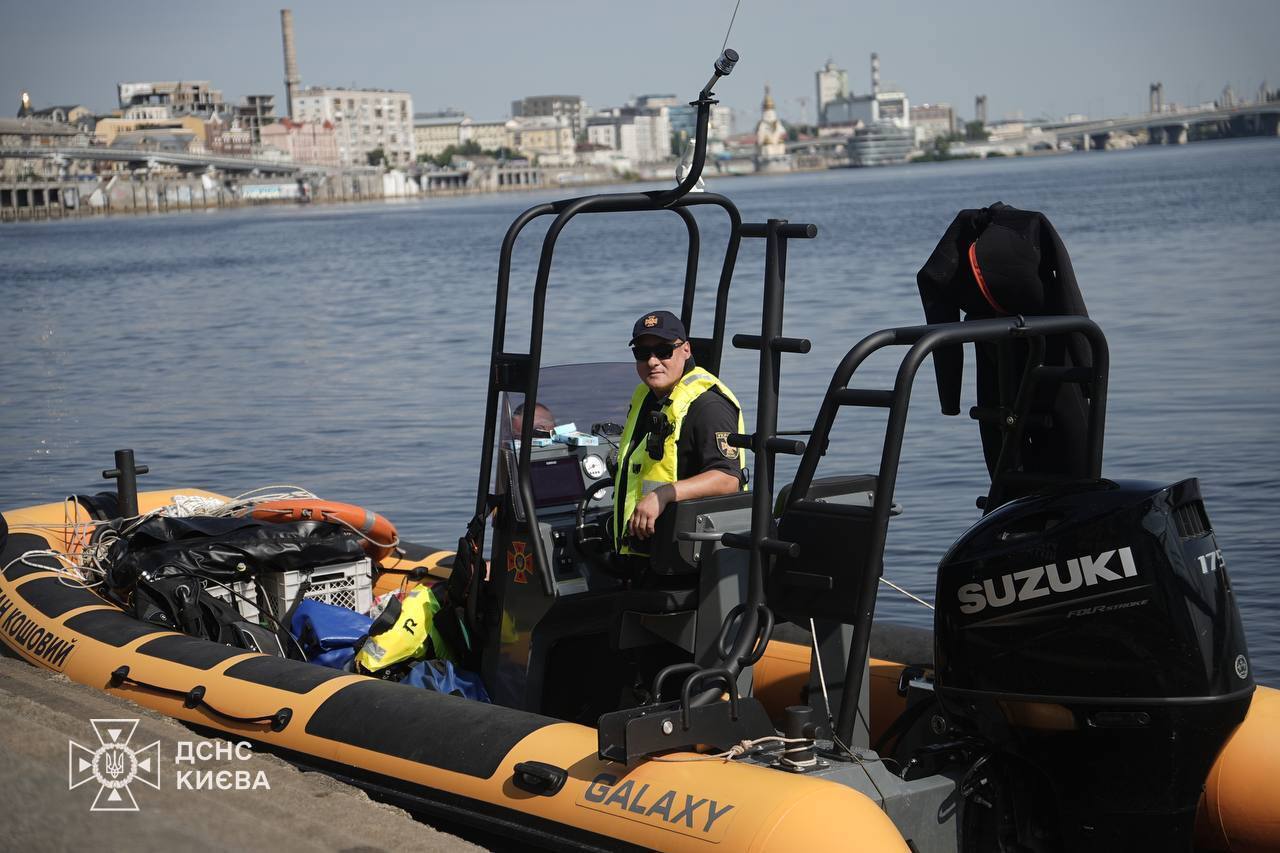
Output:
(242, 503)
(738, 750)
(70, 573)
(909, 595)
(336, 520)
(822, 678)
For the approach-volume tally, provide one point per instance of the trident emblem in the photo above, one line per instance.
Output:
(114, 765)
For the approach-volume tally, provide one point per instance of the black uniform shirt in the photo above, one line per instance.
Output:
(703, 444)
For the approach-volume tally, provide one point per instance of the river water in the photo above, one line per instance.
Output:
(343, 348)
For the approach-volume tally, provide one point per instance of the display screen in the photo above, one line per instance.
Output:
(556, 481)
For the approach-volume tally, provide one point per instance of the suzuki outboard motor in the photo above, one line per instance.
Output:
(1090, 638)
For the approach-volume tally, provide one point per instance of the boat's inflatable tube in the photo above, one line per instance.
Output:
(378, 535)
(458, 757)
(1240, 810)
(455, 755)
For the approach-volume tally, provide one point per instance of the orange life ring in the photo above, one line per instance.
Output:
(378, 535)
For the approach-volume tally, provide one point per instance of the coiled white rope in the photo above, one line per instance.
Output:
(88, 541)
(738, 750)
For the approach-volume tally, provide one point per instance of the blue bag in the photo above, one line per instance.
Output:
(327, 633)
(441, 676)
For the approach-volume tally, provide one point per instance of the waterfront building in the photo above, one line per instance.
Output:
(861, 110)
(1006, 130)
(638, 134)
(608, 131)
(549, 139)
(771, 138)
(107, 129)
(490, 135)
(572, 108)
(881, 144)
(224, 134)
(146, 113)
(33, 133)
(893, 107)
(75, 114)
(254, 113)
(310, 143)
(188, 97)
(164, 140)
(434, 132)
(594, 154)
(683, 120)
(851, 111)
(832, 84)
(931, 121)
(365, 120)
(881, 105)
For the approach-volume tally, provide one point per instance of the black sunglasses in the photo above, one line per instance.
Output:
(662, 351)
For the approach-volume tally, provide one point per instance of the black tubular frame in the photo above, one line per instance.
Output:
(749, 641)
(510, 371)
(922, 341)
(520, 371)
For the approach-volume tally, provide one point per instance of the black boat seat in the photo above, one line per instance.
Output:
(675, 551)
(687, 589)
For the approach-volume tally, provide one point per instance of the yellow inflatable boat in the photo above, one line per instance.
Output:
(1086, 684)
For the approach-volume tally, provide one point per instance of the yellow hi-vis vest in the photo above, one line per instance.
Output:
(638, 472)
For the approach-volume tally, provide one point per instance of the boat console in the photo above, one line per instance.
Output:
(561, 635)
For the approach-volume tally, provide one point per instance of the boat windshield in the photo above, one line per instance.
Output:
(579, 394)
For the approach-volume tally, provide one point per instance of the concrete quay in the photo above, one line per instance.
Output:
(45, 199)
(43, 713)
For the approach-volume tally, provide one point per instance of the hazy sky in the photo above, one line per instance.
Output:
(1034, 56)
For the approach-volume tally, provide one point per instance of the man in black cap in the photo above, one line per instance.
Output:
(675, 445)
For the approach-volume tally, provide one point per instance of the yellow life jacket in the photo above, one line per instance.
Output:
(638, 471)
(411, 638)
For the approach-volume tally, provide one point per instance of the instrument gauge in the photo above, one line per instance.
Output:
(593, 466)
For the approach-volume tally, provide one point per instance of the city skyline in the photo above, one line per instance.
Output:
(1098, 60)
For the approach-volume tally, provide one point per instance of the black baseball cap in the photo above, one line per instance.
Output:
(660, 324)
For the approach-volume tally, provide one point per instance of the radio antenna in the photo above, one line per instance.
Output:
(732, 18)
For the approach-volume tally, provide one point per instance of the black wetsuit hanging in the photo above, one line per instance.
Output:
(1001, 261)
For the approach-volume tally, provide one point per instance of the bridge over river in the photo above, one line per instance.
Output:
(1171, 127)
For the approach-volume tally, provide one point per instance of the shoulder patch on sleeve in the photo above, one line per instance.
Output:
(727, 450)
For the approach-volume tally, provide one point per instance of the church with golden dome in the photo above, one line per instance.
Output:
(771, 138)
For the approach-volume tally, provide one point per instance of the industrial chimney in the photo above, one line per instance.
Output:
(292, 81)
(875, 73)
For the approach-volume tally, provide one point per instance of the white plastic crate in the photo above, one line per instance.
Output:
(245, 600)
(348, 585)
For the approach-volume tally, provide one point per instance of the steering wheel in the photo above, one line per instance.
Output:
(593, 538)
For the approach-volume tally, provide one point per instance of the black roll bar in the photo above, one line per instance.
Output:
(923, 340)
(520, 371)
